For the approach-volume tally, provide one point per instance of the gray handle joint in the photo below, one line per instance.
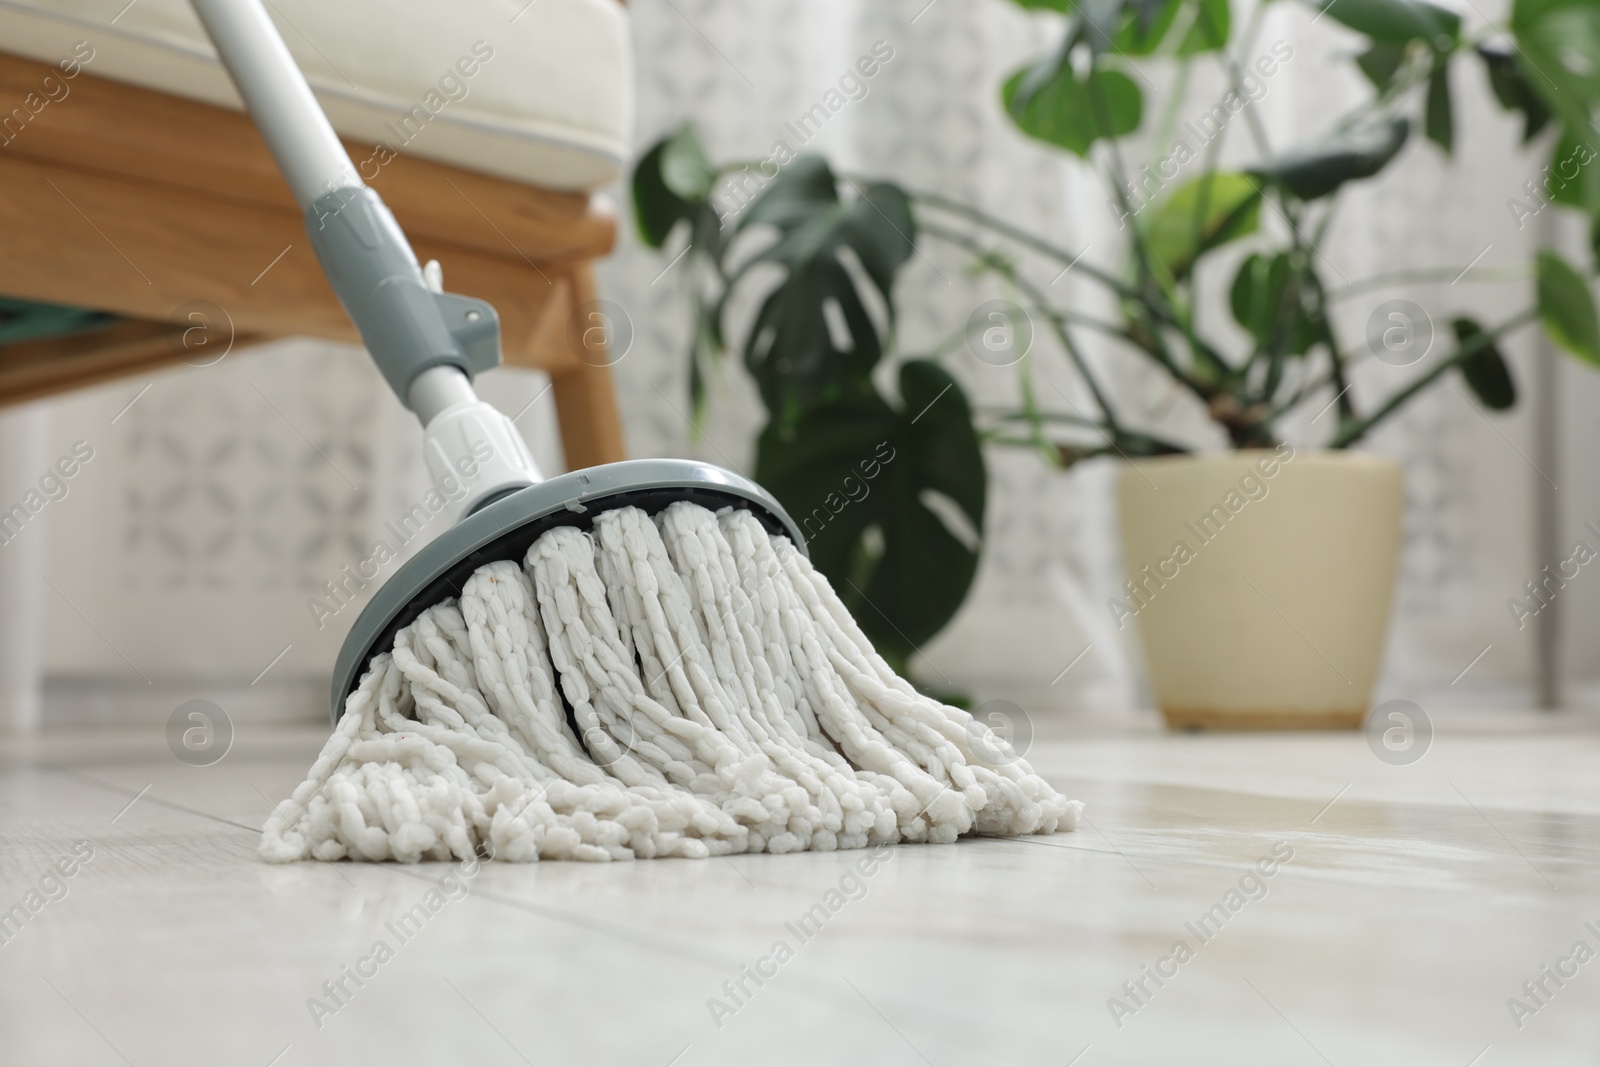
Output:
(406, 327)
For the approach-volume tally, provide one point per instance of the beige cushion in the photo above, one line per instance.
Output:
(551, 105)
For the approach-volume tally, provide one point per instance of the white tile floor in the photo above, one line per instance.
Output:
(1418, 900)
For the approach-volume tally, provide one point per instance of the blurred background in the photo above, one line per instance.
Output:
(220, 498)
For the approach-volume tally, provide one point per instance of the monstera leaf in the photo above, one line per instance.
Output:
(793, 351)
(1315, 170)
(890, 500)
(673, 184)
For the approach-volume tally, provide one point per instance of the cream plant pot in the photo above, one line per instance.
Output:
(1260, 582)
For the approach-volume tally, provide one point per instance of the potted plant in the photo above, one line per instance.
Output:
(1259, 578)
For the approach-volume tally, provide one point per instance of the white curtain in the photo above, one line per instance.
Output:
(25, 459)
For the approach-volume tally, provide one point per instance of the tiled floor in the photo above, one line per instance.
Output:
(1417, 901)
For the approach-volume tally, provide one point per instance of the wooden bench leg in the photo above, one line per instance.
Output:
(586, 403)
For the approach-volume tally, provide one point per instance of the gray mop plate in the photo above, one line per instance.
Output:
(507, 527)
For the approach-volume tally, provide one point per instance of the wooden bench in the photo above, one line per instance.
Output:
(153, 207)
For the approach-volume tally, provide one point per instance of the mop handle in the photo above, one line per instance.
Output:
(407, 327)
(299, 135)
(428, 344)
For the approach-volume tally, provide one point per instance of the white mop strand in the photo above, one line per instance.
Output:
(725, 702)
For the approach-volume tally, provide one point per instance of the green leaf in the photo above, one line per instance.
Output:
(1313, 171)
(858, 475)
(1558, 53)
(1144, 24)
(656, 208)
(1046, 5)
(685, 170)
(1050, 103)
(1212, 210)
(1095, 25)
(1397, 21)
(1210, 29)
(801, 191)
(1146, 13)
(1567, 308)
(1256, 296)
(1381, 63)
(1485, 371)
(705, 348)
(1440, 122)
(671, 184)
(1264, 305)
(1512, 88)
(791, 350)
(1569, 179)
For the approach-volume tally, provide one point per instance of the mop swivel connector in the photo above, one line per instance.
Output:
(475, 448)
(406, 325)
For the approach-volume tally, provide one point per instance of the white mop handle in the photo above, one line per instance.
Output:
(424, 341)
(298, 134)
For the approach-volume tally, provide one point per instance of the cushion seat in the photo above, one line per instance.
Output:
(535, 92)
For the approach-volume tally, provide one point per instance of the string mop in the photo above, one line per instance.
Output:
(722, 701)
(671, 680)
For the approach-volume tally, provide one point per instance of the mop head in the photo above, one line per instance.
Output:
(724, 701)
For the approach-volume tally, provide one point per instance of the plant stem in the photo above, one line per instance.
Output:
(1028, 240)
(1160, 312)
(1190, 330)
(1347, 411)
(1411, 74)
(1352, 432)
(1424, 275)
(1030, 404)
(1058, 320)
(1046, 416)
(1059, 327)
(1143, 260)
(1300, 397)
(1169, 115)
(993, 438)
(1230, 63)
